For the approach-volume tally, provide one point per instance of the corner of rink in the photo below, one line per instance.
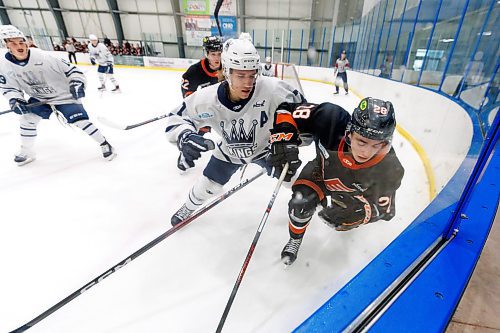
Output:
(71, 215)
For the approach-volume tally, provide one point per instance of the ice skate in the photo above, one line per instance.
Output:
(116, 89)
(289, 252)
(336, 93)
(24, 158)
(182, 214)
(101, 88)
(108, 151)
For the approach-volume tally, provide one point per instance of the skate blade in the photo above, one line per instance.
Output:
(286, 261)
(110, 157)
(27, 161)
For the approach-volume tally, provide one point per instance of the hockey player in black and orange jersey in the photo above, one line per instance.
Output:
(205, 72)
(355, 174)
(241, 110)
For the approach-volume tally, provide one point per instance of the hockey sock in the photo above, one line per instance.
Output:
(113, 80)
(297, 226)
(203, 190)
(28, 124)
(92, 131)
(102, 78)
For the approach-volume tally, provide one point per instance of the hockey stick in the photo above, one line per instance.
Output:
(216, 15)
(252, 248)
(136, 254)
(112, 124)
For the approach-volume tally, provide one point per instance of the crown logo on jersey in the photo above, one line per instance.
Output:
(32, 80)
(239, 142)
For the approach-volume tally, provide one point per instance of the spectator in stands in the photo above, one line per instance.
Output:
(385, 69)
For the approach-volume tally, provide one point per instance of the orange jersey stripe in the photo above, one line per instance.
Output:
(312, 185)
(285, 118)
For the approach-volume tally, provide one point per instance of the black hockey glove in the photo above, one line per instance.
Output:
(77, 89)
(19, 106)
(284, 149)
(346, 212)
(302, 207)
(92, 61)
(191, 146)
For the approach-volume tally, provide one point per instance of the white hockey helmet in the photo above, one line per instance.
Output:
(9, 31)
(268, 60)
(93, 37)
(239, 54)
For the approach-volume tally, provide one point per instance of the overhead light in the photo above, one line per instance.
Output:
(447, 40)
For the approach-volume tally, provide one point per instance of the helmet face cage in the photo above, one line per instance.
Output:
(373, 119)
(212, 43)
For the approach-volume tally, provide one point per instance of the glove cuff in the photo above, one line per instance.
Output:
(182, 136)
(284, 132)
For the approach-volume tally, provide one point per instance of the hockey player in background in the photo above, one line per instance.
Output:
(355, 168)
(45, 79)
(242, 110)
(340, 72)
(100, 55)
(205, 72)
(267, 68)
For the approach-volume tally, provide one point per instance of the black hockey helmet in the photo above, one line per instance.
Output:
(212, 43)
(373, 119)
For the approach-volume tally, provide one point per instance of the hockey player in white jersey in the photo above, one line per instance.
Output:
(267, 68)
(242, 110)
(47, 79)
(100, 55)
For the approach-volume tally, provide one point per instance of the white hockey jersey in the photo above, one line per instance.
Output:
(100, 53)
(41, 76)
(267, 70)
(244, 127)
(341, 65)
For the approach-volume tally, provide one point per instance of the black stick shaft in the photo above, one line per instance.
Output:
(216, 15)
(134, 255)
(250, 251)
(146, 122)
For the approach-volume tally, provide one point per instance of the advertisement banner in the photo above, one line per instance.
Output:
(128, 60)
(228, 8)
(196, 7)
(207, 7)
(196, 28)
(227, 26)
(169, 62)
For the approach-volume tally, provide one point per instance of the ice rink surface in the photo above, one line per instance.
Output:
(71, 215)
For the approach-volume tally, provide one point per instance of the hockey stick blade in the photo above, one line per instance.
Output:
(251, 250)
(112, 124)
(136, 254)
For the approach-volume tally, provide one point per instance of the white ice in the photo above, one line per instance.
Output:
(70, 216)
